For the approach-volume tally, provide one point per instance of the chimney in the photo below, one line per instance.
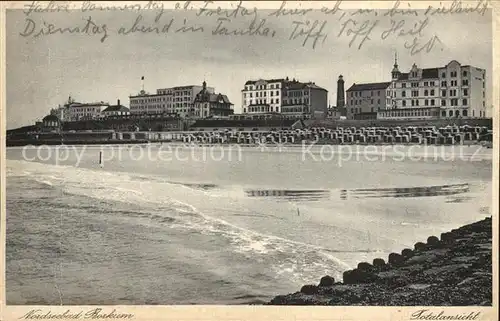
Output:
(118, 102)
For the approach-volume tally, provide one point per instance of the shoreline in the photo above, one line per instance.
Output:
(267, 145)
(453, 270)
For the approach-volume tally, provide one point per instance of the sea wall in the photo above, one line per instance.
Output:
(453, 270)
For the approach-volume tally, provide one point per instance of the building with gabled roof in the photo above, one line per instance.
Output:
(291, 98)
(451, 91)
(209, 104)
(116, 110)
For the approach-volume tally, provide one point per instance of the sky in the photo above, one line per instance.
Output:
(42, 72)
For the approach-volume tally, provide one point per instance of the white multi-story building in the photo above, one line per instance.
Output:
(290, 98)
(75, 111)
(452, 91)
(363, 101)
(174, 100)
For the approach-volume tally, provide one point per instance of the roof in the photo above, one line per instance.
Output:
(206, 96)
(427, 73)
(117, 108)
(251, 82)
(301, 85)
(430, 73)
(51, 118)
(76, 104)
(370, 86)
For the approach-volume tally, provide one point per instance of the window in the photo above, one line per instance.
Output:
(426, 83)
(443, 102)
(464, 73)
(432, 102)
(453, 74)
(432, 83)
(414, 93)
(443, 92)
(443, 75)
(465, 82)
(450, 113)
(453, 83)
(464, 102)
(443, 83)
(403, 85)
(404, 103)
(414, 84)
(464, 112)
(426, 102)
(378, 101)
(465, 92)
(426, 92)
(416, 102)
(413, 102)
(378, 93)
(443, 114)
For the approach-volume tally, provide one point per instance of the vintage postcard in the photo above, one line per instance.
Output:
(248, 160)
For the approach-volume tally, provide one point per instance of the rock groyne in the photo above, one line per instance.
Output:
(453, 270)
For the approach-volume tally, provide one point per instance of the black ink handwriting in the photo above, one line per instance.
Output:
(139, 27)
(416, 47)
(187, 28)
(397, 28)
(362, 11)
(357, 30)
(252, 30)
(456, 8)
(289, 12)
(89, 6)
(90, 28)
(238, 11)
(309, 30)
(333, 10)
(405, 12)
(52, 6)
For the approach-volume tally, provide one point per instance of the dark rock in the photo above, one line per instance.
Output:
(433, 241)
(364, 266)
(419, 246)
(407, 253)
(378, 262)
(327, 281)
(357, 276)
(309, 289)
(453, 271)
(396, 259)
(448, 237)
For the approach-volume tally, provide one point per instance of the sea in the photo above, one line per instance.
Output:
(164, 224)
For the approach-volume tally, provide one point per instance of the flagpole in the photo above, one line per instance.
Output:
(142, 79)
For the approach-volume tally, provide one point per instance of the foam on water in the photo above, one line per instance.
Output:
(150, 194)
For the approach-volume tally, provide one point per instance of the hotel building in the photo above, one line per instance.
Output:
(290, 98)
(364, 101)
(209, 104)
(452, 91)
(174, 100)
(75, 111)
